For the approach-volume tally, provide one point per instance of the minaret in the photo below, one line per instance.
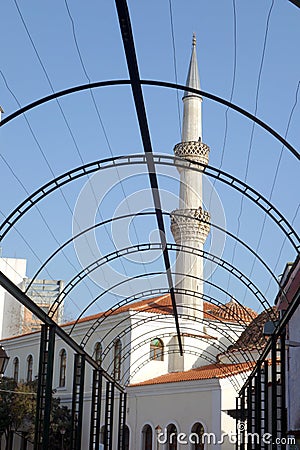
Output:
(190, 223)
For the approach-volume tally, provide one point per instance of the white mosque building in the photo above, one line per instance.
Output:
(172, 399)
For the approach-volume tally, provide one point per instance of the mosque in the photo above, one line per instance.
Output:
(174, 401)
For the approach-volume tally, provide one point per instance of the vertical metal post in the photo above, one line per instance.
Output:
(109, 415)
(96, 409)
(282, 387)
(237, 429)
(77, 401)
(122, 420)
(44, 390)
(249, 414)
(266, 400)
(243, 421)
(257, 405)
(274, 391)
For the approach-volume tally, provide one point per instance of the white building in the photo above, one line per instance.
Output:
(147, 362)
(290, 289)
(15, 319)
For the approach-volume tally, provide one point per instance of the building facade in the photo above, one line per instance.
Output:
(15, 319)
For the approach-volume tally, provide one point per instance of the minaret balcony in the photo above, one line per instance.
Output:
(190, 226)
(194, 151)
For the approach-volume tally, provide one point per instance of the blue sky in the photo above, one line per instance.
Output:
(67, 133)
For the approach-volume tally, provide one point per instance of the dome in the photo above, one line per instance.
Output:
(253, 336)
(233, 312)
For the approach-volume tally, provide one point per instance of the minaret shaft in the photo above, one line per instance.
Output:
(190, 223)
(192, 119)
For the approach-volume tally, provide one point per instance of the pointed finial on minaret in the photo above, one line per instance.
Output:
(194, 40)
(193, 79)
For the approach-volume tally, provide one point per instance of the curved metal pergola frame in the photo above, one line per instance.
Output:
(203, 353)
(156, 246)
(164, 160)
(232, 380)
(151, 213)
(98, 322)
(212, 325)
(136, 84)
(280, 220)
(166, 84)
(208, 356)
(147, 295)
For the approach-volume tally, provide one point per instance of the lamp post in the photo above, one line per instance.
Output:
(3, 360)
(62, 432)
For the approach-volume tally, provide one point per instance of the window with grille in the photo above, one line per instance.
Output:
(29, 368)
(16, 370)
(62, 368)
(117, 359)
(157, 349)
(147, 437)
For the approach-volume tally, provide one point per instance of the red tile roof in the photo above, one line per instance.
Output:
(230, 312)
(201, 373)
(234, 312)
(253, 338)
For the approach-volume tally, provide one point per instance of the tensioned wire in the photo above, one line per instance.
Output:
(103, 130)
(23, 186)
(272, 191)
(68, 127)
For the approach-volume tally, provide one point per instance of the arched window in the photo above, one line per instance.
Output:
(171, 437)
(98, 353)
(126, 438)
(117, 359)
(29, 368)
(197, 436)
(157, 349)
(147, 437)
(62, 368)
(16, 369)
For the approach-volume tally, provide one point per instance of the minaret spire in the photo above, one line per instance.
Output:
(192, 113)
(190, 223)
(193, 79)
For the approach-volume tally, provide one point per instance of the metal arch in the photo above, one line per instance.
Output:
(137, 296)
(154, 317)
(181, 87)
(157, 246)
(208, 356)
(220, 347)
(22, 298)
(288, 314)
(99, 321)
(172, 351)
(146, 213)
(142, 294)
(197, 353)
(189, 352)
(235, 385)
(295, 2)
(164, 160)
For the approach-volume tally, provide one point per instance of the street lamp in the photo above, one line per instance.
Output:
(3, 360)
(62, 432)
